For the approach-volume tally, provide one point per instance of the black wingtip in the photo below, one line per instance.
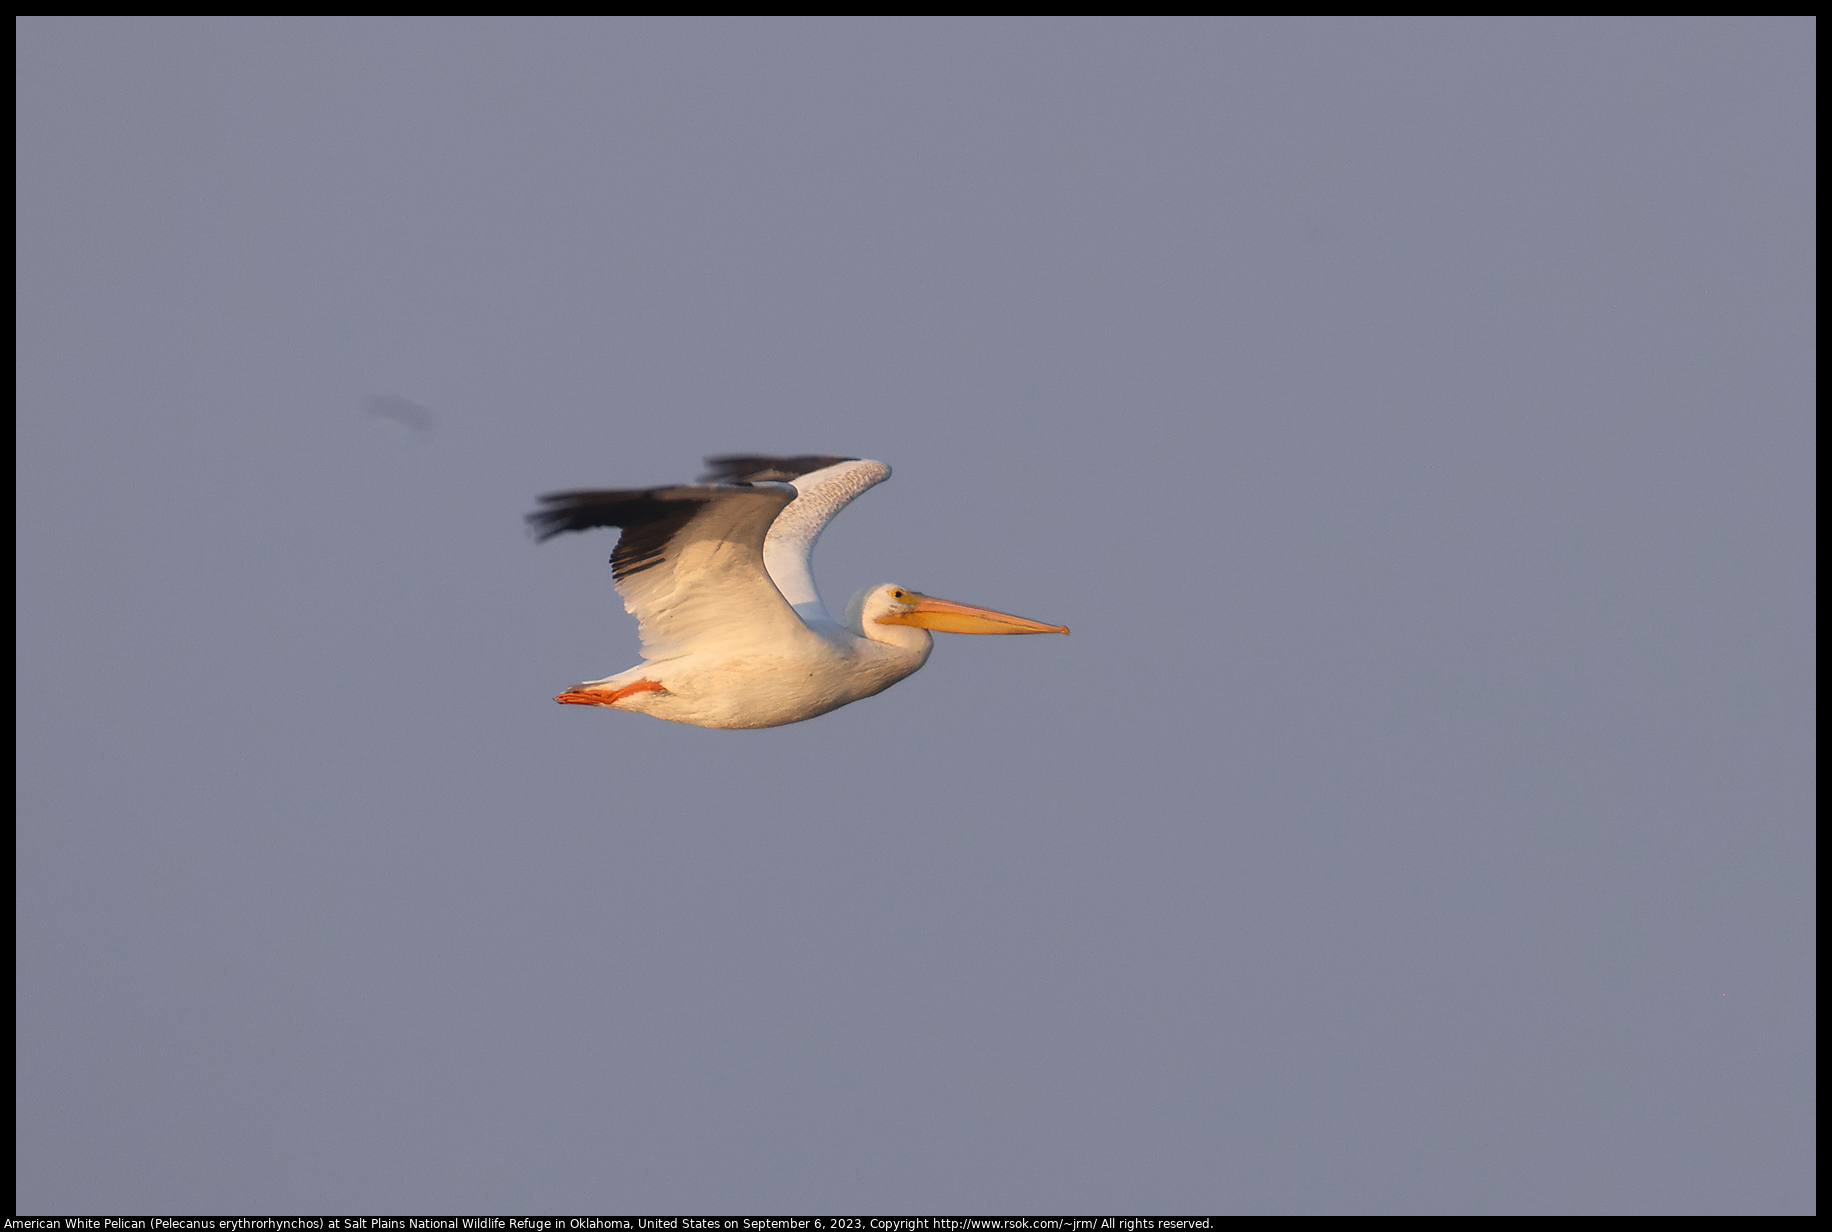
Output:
(561, 515)
(765, 468)
(590, 510)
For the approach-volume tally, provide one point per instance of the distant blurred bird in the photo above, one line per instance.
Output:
(409, 414)
(734, 633)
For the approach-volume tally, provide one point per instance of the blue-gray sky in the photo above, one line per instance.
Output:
(1410, 417)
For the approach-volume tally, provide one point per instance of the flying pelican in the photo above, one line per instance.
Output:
(734, 634)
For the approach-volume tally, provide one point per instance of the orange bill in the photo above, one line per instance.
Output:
(946, 617)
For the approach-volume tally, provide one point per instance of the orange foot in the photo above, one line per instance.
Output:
(580, 696)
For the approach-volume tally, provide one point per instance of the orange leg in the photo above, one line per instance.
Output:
(605, 697)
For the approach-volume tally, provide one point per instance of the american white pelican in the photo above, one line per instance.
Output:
(734, 633)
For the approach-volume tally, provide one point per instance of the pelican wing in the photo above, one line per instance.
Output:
(689, 564)
(823, 486)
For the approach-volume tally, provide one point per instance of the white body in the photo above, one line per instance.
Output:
(767, 688)
(729, 677)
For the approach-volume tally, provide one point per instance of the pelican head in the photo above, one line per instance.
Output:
(899, 605)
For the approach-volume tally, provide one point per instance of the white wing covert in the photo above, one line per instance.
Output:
(788, 551)
(690, 563)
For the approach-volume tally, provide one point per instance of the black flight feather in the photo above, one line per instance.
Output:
(648, 519)
(759, 467)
